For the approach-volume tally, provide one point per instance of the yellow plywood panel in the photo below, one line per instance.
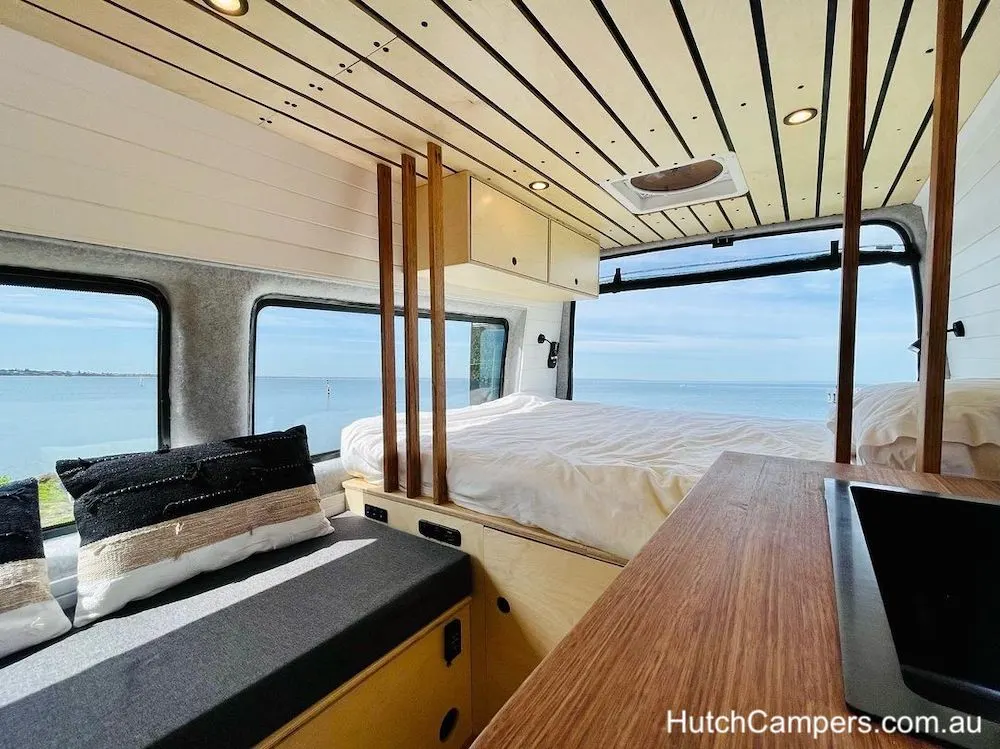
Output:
(711, 216)
(507, 234)
(400, 104)
(459, 104)
(652, 32)
(586, 40)
(980, 67)
(738, 210)
(509, 32)
(796, 30)
(399, 702)
(724, 34)
(573, 260)
(909, 94)
(488, 162)
(544, 592)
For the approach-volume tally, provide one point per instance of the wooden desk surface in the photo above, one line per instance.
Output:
(729, 607)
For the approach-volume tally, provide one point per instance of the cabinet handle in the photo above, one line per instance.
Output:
(513, 261)
(576, 281)
(504, 605)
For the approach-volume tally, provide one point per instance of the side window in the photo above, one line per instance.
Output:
(79, 376)
(320, 365)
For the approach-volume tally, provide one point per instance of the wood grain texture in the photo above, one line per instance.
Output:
(411, 336)
(937, 276)
(546, 590)
(435, 247)
(850, 246)
(387, 319)
(730, 606)
(489, 521)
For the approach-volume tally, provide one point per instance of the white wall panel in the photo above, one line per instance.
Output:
(975, 276)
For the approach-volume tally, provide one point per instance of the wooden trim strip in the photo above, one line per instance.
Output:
(387, 317)
(411, 339)
(435, 244)
(934, 336)
(851, 245)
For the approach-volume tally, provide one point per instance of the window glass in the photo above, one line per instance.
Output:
(745, 253)
(322, 367)
(78, 378)
(761, 347)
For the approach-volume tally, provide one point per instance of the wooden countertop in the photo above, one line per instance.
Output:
(729, 607)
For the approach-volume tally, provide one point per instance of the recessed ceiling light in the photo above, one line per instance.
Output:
(229, 7)
(539, 184)
(799, 116)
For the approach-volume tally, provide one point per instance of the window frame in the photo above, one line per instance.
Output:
(296, 302)
(36, 278)
(909, 257)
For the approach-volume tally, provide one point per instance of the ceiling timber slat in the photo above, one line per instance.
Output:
(570, 92)
(978, 72)
(724, 34)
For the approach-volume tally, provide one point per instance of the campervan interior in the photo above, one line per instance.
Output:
(499, 373)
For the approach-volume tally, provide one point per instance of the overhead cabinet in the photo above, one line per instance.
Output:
(494, 242)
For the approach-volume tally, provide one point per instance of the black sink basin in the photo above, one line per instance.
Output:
(918, 598)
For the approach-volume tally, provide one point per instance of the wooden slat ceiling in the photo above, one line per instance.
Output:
(569, 91)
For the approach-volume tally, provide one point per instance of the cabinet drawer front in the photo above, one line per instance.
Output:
(573, 260)
(508, 235)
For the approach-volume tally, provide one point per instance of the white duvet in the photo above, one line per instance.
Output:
(605, 476)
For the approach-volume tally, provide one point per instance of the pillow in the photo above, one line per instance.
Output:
(884, 413)
(148, 521)
(28, 612)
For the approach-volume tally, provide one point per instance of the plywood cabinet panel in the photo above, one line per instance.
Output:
(535, 594)
(573, 260)
(507, 234)
(400, 702)
(496, 243)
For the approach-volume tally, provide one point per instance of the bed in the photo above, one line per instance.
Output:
(605, 476)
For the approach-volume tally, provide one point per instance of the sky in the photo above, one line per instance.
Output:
(49, 329)
(778, 329)
(775, 329)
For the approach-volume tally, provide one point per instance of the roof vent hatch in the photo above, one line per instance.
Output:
(696, 181)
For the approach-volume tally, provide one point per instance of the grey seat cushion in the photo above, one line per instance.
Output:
(229, 657)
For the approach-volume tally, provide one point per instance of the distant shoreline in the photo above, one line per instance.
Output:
(63, 373)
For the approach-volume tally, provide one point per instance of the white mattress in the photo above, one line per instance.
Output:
(605, 476)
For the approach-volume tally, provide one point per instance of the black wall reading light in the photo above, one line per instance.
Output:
(553, 350)
(957, 327)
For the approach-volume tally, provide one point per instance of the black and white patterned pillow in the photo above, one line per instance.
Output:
(28, 612)
(148, 521)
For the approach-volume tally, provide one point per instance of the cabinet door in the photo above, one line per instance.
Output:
(508, 235)
(573, 260)
(534, 595)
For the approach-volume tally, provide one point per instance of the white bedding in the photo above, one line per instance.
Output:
(605, 476)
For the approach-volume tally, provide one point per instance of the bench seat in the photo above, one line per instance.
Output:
(228, 658)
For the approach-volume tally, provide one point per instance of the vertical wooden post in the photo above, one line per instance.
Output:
(387, 314)
(850, 249)
(411, 318)
(435, 214)
(937, 275)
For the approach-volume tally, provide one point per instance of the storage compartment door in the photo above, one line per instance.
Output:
(508, 235)
(573, 260)
(534, 595)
